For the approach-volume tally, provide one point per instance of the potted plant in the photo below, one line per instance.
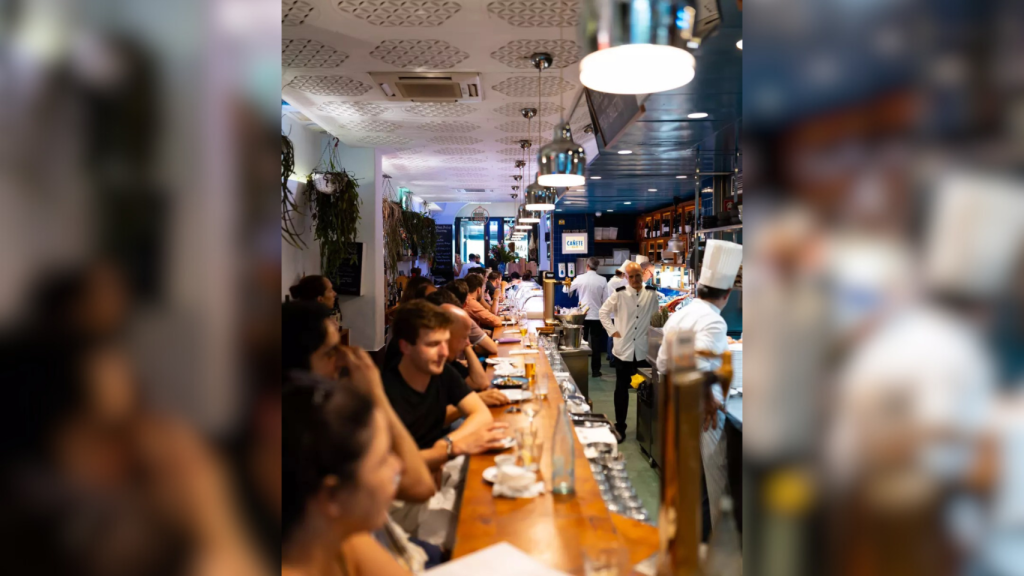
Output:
(333, 198)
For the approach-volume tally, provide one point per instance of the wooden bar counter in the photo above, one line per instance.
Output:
(553, 529)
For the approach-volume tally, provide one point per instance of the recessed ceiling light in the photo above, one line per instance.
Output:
(558, 209)
(652, 189)
(625, 151)
(609, 210)
(627, 202)
(680, 177)
(696, 115)
(740, 44)
(595, 177)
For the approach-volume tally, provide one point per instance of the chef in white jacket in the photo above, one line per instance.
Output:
(632, 305)
(591, 288)
(703, 317)
(612, 286)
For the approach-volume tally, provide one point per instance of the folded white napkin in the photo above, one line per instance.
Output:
(507, 370)
(514, 395)
(521, 352)
(591, 435)
(516, 482)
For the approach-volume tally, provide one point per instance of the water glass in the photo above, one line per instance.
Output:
(540, 388)
(530, 448)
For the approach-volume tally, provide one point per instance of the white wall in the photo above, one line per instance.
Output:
(363, 315)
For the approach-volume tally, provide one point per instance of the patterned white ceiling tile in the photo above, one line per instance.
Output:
(401, 13)
(407, 152)
(435, 54)
(306, 53)
(537, 13)
(444, 126)
(371, 126)
(517, 52)
(440, 109)
(470, 171)
(515, 152)
(329, 85)
(352, 109)
(384, 140)
(455, 140)
(458, 151)
(526, 86)
(513, 108)
(296, 12)
(524, 126)
(514, 140)
(463, 160)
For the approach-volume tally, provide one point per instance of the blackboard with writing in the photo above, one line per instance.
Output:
(348, 278)
(611, 114)
(443, 255)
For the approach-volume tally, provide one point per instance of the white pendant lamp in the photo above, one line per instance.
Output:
(561, 162)
(638, 46)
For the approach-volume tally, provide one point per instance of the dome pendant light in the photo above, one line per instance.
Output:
(639, 46)
(560, 162)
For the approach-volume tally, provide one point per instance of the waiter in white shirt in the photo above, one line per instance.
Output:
(591, 287)
(703, 317)
(633, 305)
(613, 285)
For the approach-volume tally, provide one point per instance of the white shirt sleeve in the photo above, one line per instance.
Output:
(606, 313)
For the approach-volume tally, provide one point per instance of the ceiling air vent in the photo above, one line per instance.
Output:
(429, 86)
(474, 190)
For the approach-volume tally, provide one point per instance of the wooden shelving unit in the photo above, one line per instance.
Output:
(667, 218)
(615, 241)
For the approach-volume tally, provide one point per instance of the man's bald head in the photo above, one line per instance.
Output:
(459, 331)
(635, 275)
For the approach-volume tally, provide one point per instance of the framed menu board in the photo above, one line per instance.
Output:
(348, 277)
(443, 255)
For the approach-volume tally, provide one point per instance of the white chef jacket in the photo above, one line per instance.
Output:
(633, 312)
(709, 330)
(612, 286)
(591, 287)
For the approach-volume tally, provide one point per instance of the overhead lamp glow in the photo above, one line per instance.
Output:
(609, 210)
(561, 162)
(697, 115)
(539, 198)
(595, 177)
(652, 189)
(637, 69)
(680, 177)
(627, 203)
(625, 151)
(740, 44)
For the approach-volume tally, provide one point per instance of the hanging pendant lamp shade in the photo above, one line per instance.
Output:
(637, 46)
(527, 216)
(540, 198)
(562, 161)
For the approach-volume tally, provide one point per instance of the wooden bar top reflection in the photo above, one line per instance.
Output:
(553, 529)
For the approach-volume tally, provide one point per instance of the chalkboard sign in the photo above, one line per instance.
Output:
(611, 114)
(348, 278)
(443, 255)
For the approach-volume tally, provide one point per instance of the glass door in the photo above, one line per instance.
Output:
(472, 240)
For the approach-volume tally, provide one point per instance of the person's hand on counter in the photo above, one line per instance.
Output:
(492, 438)
(711, 408)
(493, 397)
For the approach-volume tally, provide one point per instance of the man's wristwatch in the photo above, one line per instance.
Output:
(449, 447)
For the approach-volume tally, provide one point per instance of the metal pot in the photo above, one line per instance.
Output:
(571, 319)
(572, 336)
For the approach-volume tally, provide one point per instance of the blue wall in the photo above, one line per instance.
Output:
(573, 223)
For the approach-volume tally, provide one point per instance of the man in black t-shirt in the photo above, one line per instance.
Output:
(471, 371)
(421, 387)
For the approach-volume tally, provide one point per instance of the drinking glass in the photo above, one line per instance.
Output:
(540, 388)
(531, 407)
(530, 370)
(529, 448)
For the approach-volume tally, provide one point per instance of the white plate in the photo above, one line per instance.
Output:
(514, 395)
(491, 474)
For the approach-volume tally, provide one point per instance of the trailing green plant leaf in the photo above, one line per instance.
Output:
(503, 255)
(335, 215)
(428, 242)
(289, 231)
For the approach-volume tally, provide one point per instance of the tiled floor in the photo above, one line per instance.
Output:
(645, 479)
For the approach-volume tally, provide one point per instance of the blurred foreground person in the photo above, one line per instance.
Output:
(914, 446)
(339, 477)
(98, 486)
(309, 339)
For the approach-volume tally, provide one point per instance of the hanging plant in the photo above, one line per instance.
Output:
(394, 243)
(333, 198)
(504, 255)
(413, 224)
(289, 230)
(428, 244)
